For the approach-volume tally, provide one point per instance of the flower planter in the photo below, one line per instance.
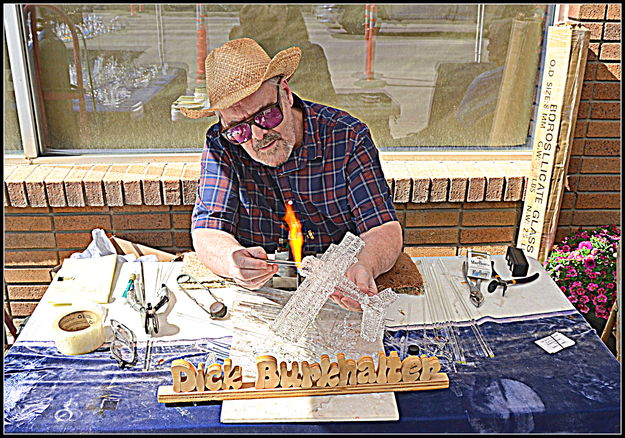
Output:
(583, 265)
(595, 322)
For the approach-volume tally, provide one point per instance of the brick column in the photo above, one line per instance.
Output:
(594, 175)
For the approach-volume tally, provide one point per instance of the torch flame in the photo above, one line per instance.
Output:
(296, 238)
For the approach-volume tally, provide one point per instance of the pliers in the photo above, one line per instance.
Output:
(498, 281)
(475, 294)
(151, 318)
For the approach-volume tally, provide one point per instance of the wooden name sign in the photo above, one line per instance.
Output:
(345, 376)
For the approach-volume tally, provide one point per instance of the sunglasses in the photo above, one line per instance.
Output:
(267, 118)
(124, 346)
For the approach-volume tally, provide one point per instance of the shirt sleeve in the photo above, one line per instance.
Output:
(216, 202)
(368, 193)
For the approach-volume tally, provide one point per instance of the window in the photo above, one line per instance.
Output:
(12, 137)
(112, 77)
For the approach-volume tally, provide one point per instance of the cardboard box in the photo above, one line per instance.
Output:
(127, 247)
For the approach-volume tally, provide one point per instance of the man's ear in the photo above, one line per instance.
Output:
(218, 114)
(285, 84)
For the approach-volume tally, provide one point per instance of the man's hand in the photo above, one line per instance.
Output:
(363, 278)
(248, 268)
(382, 247)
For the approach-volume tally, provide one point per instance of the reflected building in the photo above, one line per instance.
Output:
(278, 27)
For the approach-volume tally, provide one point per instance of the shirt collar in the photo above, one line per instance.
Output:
(311, 146)
(311, 140)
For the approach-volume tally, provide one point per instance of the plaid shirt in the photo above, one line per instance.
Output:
(334, 179)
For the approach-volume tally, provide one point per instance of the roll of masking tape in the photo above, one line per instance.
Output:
(79, 332)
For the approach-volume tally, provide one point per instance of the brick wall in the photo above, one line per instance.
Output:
(594, 173)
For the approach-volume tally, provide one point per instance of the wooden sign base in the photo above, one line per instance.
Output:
(166, 394)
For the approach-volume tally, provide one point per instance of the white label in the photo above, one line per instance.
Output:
(554, 343)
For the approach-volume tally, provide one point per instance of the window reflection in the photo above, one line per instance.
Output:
(12, 137)
(112, 77)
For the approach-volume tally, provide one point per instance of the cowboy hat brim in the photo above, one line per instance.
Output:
(285, 64)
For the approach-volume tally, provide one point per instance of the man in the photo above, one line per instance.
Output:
(269, 148)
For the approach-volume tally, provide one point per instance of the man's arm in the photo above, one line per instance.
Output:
(220, 252)
(383, 244)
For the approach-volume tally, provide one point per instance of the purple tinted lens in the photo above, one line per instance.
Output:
(239, 133)
(270, 118)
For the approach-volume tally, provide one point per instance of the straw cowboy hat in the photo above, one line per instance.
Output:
(237, 69)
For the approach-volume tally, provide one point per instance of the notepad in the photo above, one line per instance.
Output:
(83, 280)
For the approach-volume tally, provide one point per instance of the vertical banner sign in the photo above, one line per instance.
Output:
(547, 127)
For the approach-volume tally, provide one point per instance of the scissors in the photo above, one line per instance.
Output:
(475, 294)
(217, 310)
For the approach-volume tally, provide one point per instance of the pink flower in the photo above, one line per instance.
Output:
(600, 309)
(600, 291)
(572, 299)
(580, 291)
(590, 263)
(592, 286)
(585, 245)
(566, 248)
(563, 289)
(601, 298)
(583, 308)
(584, 299)
(610, 286)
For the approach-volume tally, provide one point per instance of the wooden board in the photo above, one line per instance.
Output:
(166, 394)
(545, 138)
(572, 95)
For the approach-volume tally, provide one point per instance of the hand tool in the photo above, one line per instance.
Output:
(162, 295)
(475, 294)
(498, 281)
(151, 319)
(217, 310)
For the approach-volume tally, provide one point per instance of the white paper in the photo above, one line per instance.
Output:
(554, 343)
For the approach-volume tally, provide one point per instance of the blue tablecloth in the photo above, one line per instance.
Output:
(522, 389)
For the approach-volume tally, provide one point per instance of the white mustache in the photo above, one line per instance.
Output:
(272, 136)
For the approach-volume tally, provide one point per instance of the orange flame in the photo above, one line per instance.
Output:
(296, 238)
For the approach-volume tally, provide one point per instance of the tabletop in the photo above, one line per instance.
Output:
(519, 388)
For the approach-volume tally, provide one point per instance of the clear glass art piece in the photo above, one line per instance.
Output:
(323, 276)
